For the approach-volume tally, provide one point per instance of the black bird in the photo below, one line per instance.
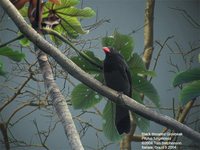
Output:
(117, 76)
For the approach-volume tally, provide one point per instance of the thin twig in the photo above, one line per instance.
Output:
(16, 93)
(189, 18)
(159, 52)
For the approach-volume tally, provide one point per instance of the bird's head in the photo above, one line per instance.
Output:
(110, 52)
(107, 50)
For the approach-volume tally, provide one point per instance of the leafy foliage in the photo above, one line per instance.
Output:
(85, 65)
(2, 72)
(136, 96)
(123, 43)
(75, 12)
(24, 42)
(137, 66)
(23, 11)
(64, 3)
(109, 127)
(142, 123)
(83, 97)
(11, 54)
(68, 14)
(107, 41)
(187, 76)
(141, 85)
(190, 92)
(192, 89)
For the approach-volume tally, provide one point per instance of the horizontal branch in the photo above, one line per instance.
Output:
(87, 79)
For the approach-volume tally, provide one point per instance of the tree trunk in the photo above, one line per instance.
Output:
(59, 102)
(148, 32)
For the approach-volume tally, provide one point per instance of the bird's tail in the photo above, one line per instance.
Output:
(122, 120)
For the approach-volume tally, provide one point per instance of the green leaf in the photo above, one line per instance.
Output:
(24, 11)
(14, 55)
(72, 24)
(24, 42)
(136, 96)
(85, 65)
(75, 12)
(69, 19)
(109, 128)
(107, 41)
(187, 76)
(69, 15)
(145, 72)
(142, 123)
(2, 73)
(141, 85)
(57, 41)
(189, 92)
(83, 97)
(121, 42)
(67, 3)
(64, 4)
(137, 66)
(199, 57)
(136, 62)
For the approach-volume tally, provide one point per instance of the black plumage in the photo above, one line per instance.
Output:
(117, 76)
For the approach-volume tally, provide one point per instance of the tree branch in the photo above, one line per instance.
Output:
(85, 78)
(148, 32)
(59, 102)
(82, 54)
(3, 128)
(18, 91)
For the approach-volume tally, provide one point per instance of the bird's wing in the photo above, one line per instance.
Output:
(124, 70)
(130, 80)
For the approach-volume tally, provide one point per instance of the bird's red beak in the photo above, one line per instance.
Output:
(106, 49)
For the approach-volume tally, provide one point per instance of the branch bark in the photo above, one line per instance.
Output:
(148, 32)
(4, 131)
(87, 79)
(59, 102)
